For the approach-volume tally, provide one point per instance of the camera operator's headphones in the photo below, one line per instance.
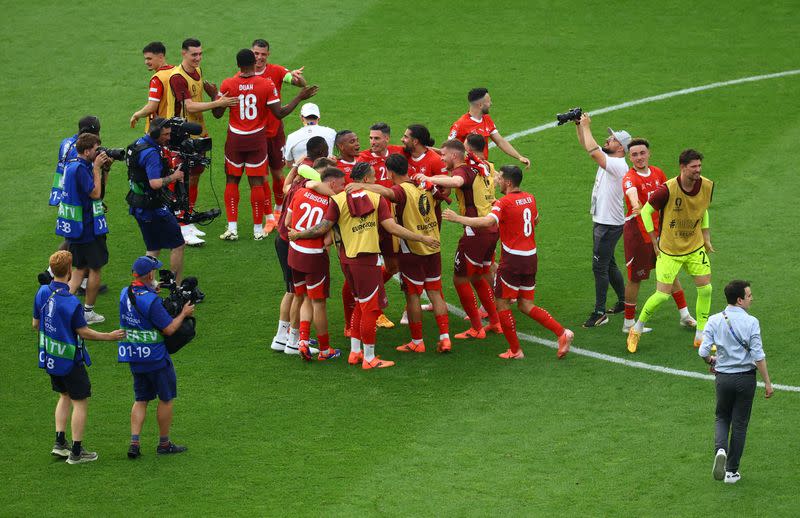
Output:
(156, 125)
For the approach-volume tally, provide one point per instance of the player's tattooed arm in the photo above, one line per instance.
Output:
(372, 187)
(317, 230)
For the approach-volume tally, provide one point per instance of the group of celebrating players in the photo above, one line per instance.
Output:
(380, 207)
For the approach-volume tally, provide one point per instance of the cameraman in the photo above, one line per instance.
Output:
(81, 218)
(149, 175)
(67, 153)
(143, 316)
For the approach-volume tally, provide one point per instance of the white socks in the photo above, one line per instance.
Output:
(355, 345)
(233, 226)
(369, 352)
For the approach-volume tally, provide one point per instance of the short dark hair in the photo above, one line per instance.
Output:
(324, 162)
(454, 144)
(154, 47)
(245, 58)
(476, 142)
(512, 174)
(317, 147)
(397, 163)
(382, 127)
(331, 172)
(190, 42)
(735, 290)
(89, 124)
(341, 134)
(687, 155)
(86, 141)
(476, 94)
(360, 171)
(260, 43)
(638, 141)
(421, 133)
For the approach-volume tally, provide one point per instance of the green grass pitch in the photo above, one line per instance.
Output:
(464, 434)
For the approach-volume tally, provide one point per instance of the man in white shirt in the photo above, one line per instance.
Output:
(608, 215)
(296, 141)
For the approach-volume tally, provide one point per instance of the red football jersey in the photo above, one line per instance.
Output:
(308, 209)
(346, 168)
(378, 162)
(516, 215)
(255, 94)
(466, 125)
(428, 163)
(276, 73)
(645, 186)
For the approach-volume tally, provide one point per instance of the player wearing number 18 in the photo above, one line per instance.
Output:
(684, 241)
(516, 215)
(145, 320)
(246, 143)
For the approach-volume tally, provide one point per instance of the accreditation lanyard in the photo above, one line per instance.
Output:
(735, 336)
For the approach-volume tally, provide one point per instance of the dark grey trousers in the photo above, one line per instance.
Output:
(604, 265)
(734, 401)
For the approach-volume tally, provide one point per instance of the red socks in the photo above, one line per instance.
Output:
(680, 299)
(368, 327)
(467, 299)
(543, 317)
(324, 342)
(486, 296)
(348, 303)
(355, 323)
(305, 330)
(509, 329)
(266, 205)
(443, 321)
(257, 204)
(231, 201)
(416, 330)
(630, 311)
(277, 188)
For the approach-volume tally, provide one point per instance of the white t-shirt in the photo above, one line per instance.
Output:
(295, 146)
(608, 205)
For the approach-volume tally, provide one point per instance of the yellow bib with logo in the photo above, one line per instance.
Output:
(165, 108)
(196, 90)
(682, 218)
(359, 235)
(419, 217)
(482, 192)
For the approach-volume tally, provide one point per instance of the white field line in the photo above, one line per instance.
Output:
(607, 357)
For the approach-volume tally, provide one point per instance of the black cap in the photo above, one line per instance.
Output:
(89, 124)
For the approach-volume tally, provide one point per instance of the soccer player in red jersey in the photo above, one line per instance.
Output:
(420, 266)
(639, 183)
(379, 150)
(288, 335)
(308, 259)
(421, 160)
(477, 120)
(517, 216)
(475, 253)
(359, 214)
(348, 146)
(276, 136)
(246, 146)
(156, 106)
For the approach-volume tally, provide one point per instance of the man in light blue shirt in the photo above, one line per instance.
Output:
(737, 337)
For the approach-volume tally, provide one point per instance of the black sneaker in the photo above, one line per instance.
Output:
(170, 448)
(619, 307)
(85, 456)
(61, 450)
(596, 319)
(134, 452)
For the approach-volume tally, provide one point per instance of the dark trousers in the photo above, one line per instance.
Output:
(734, 400)
(604, 265)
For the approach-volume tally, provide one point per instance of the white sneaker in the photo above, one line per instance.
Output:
(278, 345)
(229, 235)
(192, 240)
(259, 236)
(194, 230)
(688, 321)
(731, 477)
(93, 317)
(627, 327)
(427, 307)
(404, 318)
(296, 350)
(719, 464)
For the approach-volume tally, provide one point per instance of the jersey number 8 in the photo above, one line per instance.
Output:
(527, 222)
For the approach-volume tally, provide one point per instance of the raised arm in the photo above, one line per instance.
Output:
(587, 140)
(282, 111)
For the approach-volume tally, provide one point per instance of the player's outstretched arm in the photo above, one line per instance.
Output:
(372, 187)
(88, 333)
(282, 111)
(393, 228)
(441, 180)
(481, 222)
(145, 111)
(506, 147)
(317, 230)
(297, 78)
